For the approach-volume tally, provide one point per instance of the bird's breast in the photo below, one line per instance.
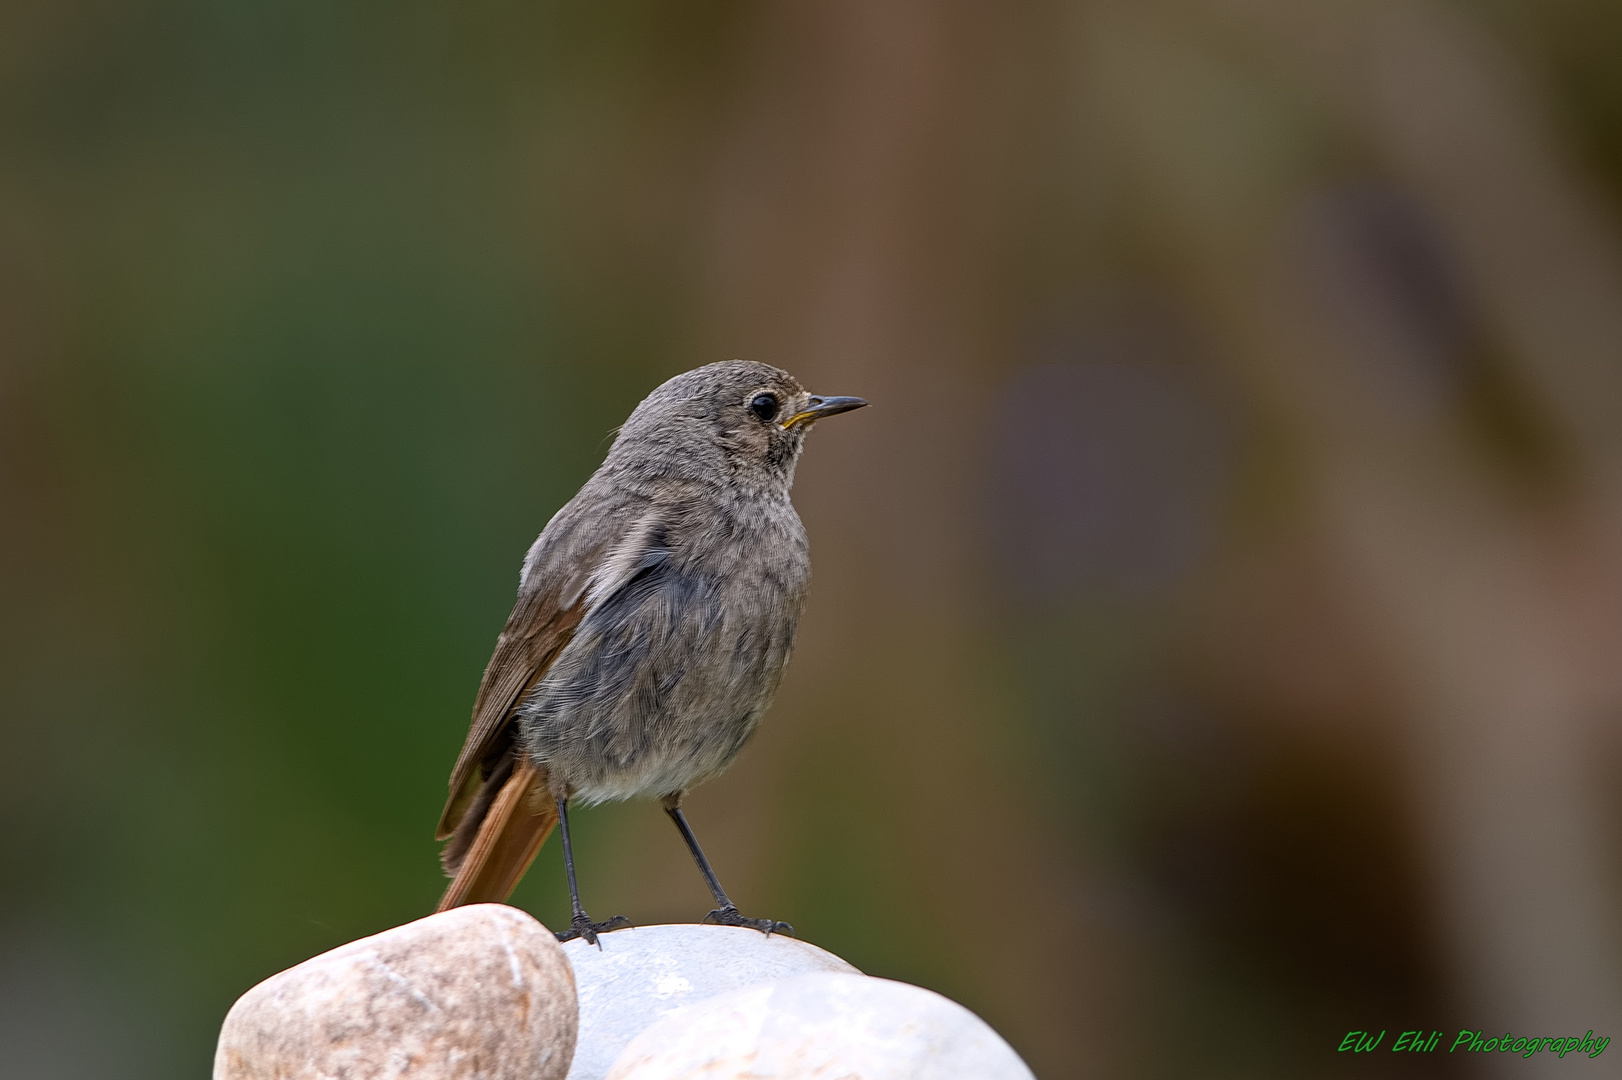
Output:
(668, 674)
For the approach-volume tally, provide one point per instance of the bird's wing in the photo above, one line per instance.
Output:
(552, 599)
(536, 632)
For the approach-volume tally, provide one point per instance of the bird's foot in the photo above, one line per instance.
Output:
(729, 916)
(584, 928)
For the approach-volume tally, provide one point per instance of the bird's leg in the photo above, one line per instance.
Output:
(726, 912)
(580, 926)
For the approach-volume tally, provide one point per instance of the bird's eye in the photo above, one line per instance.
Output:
(764, 406)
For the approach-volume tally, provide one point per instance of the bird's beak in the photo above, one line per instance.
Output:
(818, 407)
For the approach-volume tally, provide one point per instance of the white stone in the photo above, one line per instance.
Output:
(644, 973)
(482, 991)
(821, 1026)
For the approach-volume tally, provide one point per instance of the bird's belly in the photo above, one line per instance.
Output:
(663, 768)
(626, 755)
(661, 701)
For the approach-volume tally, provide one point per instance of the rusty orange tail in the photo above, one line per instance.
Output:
(509, 835)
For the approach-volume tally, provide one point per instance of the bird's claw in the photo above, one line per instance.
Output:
(729, 916)
(583, 928)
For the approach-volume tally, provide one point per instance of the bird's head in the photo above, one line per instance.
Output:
(737, 420)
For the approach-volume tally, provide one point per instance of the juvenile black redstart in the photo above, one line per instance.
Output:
(655, 616)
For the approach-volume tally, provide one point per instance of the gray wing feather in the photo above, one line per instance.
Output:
(551, 603)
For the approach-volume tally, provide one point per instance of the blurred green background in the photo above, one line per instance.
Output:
(1217, 637)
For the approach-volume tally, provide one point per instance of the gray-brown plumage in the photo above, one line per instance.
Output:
(655, 615)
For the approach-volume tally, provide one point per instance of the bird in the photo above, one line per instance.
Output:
(655, 616)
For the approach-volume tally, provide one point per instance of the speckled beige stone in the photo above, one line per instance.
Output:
(481, 992)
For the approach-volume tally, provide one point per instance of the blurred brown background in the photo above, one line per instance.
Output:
(1217, 637)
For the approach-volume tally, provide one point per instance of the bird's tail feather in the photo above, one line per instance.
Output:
(488, 863)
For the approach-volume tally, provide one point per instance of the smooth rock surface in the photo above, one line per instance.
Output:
(641, 974)
(822, 1026)
(482, 991)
